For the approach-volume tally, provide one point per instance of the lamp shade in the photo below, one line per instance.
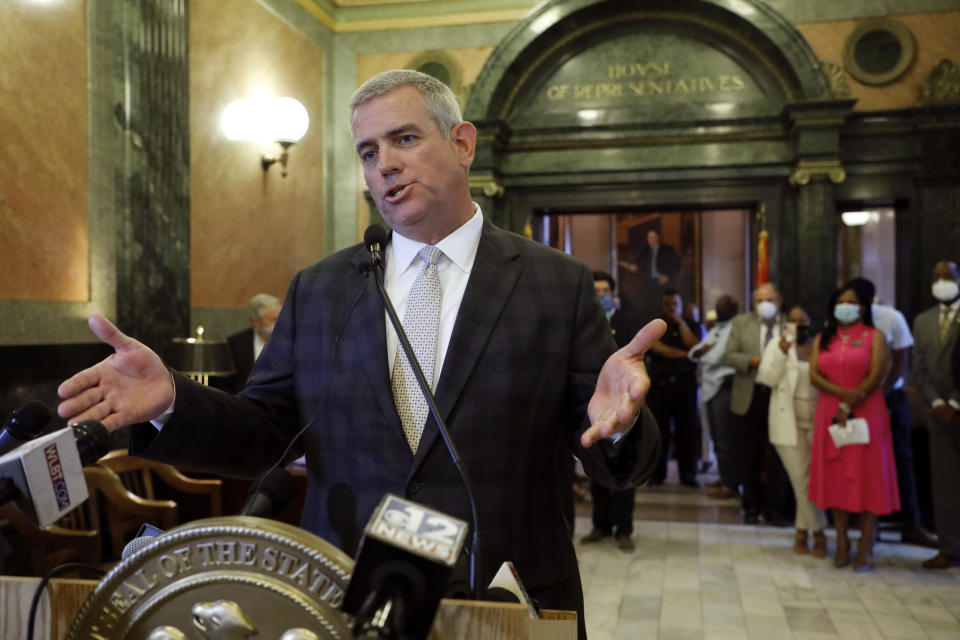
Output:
(263, 118)
(195, 357)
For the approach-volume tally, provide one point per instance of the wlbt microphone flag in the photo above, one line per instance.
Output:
(47, 472)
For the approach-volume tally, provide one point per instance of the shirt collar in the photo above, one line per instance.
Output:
(952, 306)
(458, 246)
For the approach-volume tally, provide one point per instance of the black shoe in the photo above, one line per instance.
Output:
(594, 536)
(751, 516)
(919, 536)
(775, 519)
(625, 543)
(690, 483)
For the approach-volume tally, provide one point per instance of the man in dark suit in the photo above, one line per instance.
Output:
(657, 265)
(524, 367)
(937, 333)
(246, 346)
(673, 384)
(612, 509)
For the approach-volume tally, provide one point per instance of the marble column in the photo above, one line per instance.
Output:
(814, 263)
(152, 169)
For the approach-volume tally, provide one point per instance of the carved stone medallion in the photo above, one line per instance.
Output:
(233, 577)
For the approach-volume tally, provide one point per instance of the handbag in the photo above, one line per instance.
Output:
(855, 431)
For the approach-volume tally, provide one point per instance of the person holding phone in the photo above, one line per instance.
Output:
(785, 368)
(848, 364)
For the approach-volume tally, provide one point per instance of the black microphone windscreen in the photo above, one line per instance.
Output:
(375, 234)
(93, 441)
(28, 421)
(278, 487)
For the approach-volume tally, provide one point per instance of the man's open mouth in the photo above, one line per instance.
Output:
(395, 191)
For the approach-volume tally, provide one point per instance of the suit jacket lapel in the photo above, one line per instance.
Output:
(370, 343)
(492, 280)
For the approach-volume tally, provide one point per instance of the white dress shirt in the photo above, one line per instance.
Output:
(403, 263)
(894, 328)
(713, 373)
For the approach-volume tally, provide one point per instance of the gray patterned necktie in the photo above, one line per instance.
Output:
(421, 321)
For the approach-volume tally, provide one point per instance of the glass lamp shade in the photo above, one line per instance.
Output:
(288, 120)
(855, 218)
(194, 357)
(265, 119)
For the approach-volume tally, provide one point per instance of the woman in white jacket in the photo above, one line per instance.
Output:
(784, 368)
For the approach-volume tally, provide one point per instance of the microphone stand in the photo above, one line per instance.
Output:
(476, 566)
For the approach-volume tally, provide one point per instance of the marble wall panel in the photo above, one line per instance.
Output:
(250, 230)
(43, 151)
(937, 36)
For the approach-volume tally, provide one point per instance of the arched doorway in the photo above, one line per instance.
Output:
(606, 104)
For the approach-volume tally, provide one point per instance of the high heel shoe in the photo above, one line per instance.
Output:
(819, 545)
(800, 543)
(842, 557)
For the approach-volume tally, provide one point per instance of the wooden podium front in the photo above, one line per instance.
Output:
(455, 619)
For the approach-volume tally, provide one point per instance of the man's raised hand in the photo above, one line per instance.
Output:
(131, 385)
(622, 386)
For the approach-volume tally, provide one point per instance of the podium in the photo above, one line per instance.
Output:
(455, 619)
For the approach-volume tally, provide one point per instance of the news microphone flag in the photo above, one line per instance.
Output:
(48, 473)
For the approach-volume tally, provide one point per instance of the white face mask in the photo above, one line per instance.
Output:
(846, 312)
(945, 290)
(767, 310)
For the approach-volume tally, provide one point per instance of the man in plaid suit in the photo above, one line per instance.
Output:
(526, 370)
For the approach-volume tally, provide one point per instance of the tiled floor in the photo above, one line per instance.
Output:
(725, 581)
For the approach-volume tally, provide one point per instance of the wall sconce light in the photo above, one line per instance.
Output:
(269, 121)
(856, 218)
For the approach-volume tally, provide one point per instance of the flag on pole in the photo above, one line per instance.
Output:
(763, 248)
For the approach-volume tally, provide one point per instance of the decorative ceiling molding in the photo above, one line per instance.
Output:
(346, 16)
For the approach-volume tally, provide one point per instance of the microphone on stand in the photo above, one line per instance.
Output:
(267, 499)
(45, 475)
(375, 239)
(405, 558)
(24, 425)
(271, 495)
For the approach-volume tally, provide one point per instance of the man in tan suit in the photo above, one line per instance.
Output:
(936, 334)
(749, 401)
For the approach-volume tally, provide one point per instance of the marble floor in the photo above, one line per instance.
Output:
(716, 579)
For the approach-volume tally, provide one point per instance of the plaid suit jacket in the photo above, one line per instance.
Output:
(523, 359)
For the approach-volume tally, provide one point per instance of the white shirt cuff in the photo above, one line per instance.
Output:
(161, 419)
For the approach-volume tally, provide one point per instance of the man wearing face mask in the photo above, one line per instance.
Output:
(937, 333)
(750, 402)
(245, 346)
(612, 509)
(716, 381)
(896, 331)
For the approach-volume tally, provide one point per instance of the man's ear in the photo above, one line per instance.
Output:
(463, 135)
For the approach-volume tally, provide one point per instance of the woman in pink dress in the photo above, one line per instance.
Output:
(847, 366)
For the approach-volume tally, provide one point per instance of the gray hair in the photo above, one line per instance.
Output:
(260, 302)
(441, 103)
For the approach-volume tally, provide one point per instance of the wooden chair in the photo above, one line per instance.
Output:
(138, 476)
(52, 545)
(78, 536)
(124, 511)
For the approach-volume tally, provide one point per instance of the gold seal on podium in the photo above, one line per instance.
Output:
(232, 577)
